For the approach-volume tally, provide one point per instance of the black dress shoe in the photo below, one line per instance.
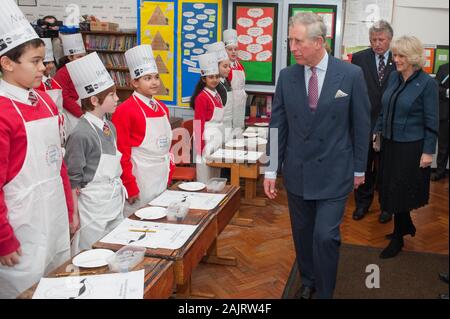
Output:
(305, 292)
(385, 217)
(412, 232)
(444, 277)
(395, 246)
(443, 296)
(437, 176)
(359, 213)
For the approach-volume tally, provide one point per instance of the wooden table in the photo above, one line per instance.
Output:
(203, 242)
(158, 281)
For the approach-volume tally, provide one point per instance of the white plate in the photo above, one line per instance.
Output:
(151, 212)
(192, 186)
(261, 124)
(92, 258)
(250, 134)
(256, 141)
(235, 143)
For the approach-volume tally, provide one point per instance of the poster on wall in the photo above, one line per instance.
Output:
(256, 26)
(441, 56)
(328, 14)
(430, 52)
(157, 25)
(199, 26)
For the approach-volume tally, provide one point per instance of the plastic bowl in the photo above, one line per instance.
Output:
(126, 258)
(216, 184)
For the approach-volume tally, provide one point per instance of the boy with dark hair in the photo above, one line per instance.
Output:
(35, 201)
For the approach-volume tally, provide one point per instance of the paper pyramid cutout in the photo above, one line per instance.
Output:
(159, 44)
(162, 68)
(158, 18)
(163, 90)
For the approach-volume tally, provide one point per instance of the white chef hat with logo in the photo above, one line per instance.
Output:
(208, 64)
(49, 57)
(230, 37)
(218, 48)
(14, 27)
(89, 75)
(140, 61)
(73, 44)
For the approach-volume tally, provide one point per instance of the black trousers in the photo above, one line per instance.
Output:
(364, 194)
(403, 224)
(442, 156)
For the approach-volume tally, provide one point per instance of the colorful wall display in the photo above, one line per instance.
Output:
(328, 14)
(157, 25)
(200, 25)
(256, 25)
(179, 31)
(441, 56)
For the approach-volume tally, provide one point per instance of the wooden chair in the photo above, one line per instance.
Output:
(185, 171)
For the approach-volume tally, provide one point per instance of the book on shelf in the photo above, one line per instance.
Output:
(109, 42)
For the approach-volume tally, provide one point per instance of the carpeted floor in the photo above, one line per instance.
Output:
(410, 275)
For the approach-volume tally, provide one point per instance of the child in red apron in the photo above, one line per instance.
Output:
(144, 133)
(35, 201)
(208, 117)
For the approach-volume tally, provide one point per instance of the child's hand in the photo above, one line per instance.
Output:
(75, 225)
(133, 199)
(11, 259)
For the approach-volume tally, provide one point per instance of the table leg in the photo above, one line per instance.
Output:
(235, 180)
(212, 257)
(184, 291)
(250, 194)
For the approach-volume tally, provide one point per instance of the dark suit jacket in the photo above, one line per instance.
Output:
(416, 113)
(443, 99)
(366, 60)
(320, 152)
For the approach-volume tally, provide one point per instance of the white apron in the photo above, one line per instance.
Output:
(239, 98)
(213, 128)
(37, 208)
(57, 97)
(151, 161)
(228, 115)
(101, 202)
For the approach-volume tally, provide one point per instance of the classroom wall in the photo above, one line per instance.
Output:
(428, 20)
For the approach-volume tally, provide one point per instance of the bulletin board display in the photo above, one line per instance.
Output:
(178, 31)
(256, 26)
(441, 56)
(157, 22)
(200, 26)
(429, 59)
(328, 14)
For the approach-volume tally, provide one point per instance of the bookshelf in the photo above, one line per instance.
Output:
(260, 107)
(111, 48)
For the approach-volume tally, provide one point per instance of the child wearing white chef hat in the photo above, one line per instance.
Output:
(74, 49)
(36, 205)
(224, 87)
(208, 116)
(92, 157)
(144, 132)
(236, 78)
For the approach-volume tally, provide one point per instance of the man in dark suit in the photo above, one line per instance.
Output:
(442, 156)
(321, 113)
(376, 63)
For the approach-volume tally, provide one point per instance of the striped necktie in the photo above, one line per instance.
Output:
(32, 98)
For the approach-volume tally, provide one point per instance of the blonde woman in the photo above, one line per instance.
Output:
(408, 126)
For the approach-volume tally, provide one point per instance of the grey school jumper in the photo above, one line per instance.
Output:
(83, 152)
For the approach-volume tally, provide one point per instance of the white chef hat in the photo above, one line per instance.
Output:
(218, 49)
(140, 61)
(89, 75)
(49, 57)
(208, 64)
(14, 27)
(73, 44)
(230, 37)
